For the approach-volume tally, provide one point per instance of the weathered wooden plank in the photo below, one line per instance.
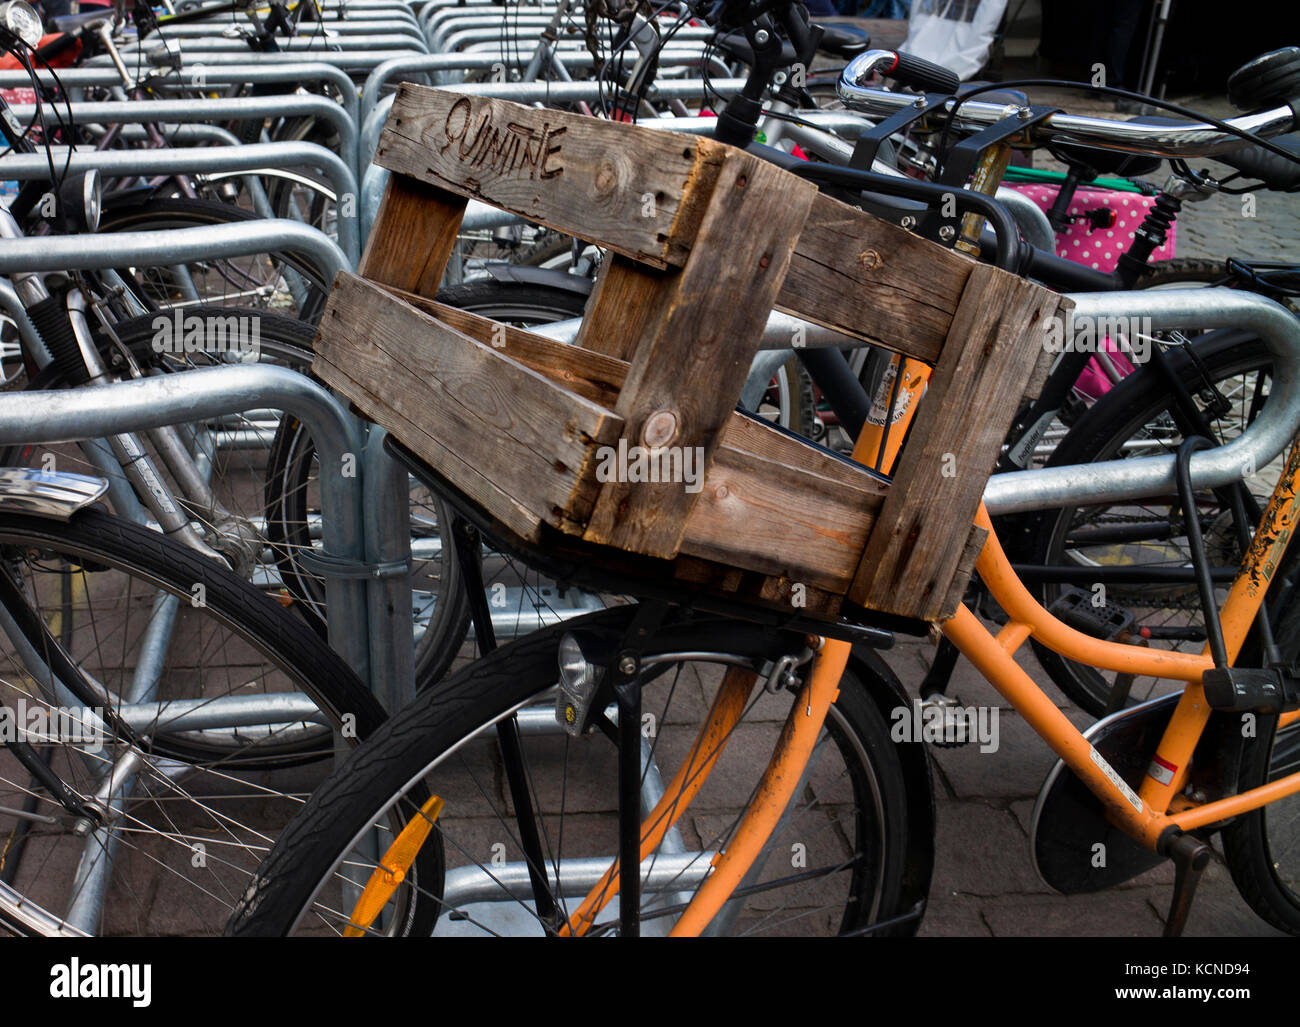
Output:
(537, 438)
(965, 568)
(413, 236)
(637, 191)
(688, 367)
(599, 378)
(753, 435)
(754, 587)
(762, 515)
(470, 479)
(591, 375)
(862, 276)
(621, 309)
(993, 348)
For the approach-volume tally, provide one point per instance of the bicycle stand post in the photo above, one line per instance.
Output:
(1190, 856)
(468, 543)
(387, 498)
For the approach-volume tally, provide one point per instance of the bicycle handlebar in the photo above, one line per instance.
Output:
(1192, 139)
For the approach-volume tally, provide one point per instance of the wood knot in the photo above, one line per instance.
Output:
(660, 428)
(869, 259)
(606, 179)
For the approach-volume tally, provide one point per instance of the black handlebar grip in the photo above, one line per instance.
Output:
(921, 74)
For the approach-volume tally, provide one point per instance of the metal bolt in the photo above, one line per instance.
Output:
(627, 665)
(779, 78)
(761, 37)
(1024, 114)
(919, 103)
(907, 221)
(946, 233)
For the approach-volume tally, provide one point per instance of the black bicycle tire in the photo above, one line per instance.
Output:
(1091, 435)
(179, 212)
(308, 850)
(1251, 859)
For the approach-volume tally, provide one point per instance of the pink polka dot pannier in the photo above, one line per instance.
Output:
(1100, 248)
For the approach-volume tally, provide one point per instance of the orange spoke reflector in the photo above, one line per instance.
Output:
(392, 869)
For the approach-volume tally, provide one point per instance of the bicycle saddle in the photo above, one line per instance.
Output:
(839, 40)
(1274, 170)
(845, 41)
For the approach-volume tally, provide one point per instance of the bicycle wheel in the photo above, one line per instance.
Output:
(839, 860)
(305, 194)
(102, 615)
(292, 503)
(234, 448)
(1183, 273)
(286, 283)
(1262, 847)
(441, 606)
(1228, 373)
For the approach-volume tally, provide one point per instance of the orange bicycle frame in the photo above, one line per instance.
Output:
(1144, 815)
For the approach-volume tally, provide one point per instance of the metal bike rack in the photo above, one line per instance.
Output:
(346, 61)
(243, 108)
(292, 45)
(467, 40)
(1116, 480)
(332, 31)
(293, 73)
(177, 246)
(250, 157)
(91, 413)
(440, 64)
(449, 36)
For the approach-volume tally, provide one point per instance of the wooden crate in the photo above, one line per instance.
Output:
(703, 241)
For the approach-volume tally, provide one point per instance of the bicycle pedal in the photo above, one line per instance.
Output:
(1081, 611)
(955, 727)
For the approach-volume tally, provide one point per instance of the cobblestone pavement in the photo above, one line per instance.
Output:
(985, 883)
(1266, 227)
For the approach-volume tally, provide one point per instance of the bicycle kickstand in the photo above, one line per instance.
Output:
(1191, 856)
